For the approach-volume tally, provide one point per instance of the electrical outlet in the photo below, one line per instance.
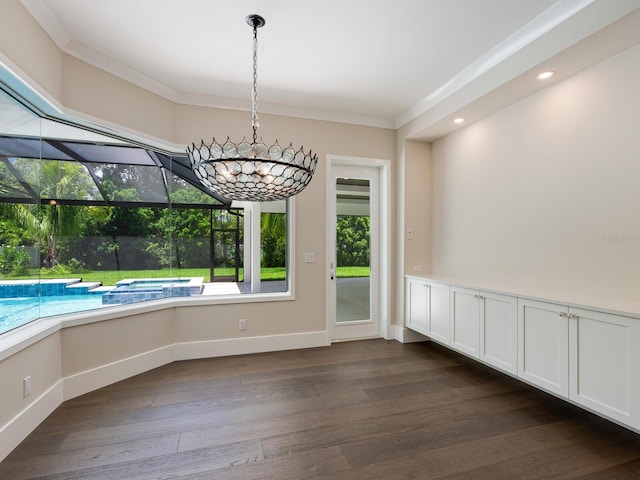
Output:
(26, 386)
(242, 324)
(417, 268)
(309, 257)
(409, 233)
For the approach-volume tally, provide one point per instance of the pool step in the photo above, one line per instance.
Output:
(87, 285)
(103, 288)
(56, 281)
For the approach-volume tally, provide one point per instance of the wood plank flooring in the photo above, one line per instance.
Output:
(372, 409)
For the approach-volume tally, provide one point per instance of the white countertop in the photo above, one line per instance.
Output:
(629, 308)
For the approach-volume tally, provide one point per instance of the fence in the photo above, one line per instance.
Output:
(33, 251)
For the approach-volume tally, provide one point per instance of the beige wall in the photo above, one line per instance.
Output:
(24, 44)
(417, 206)
(94, 345)
(42, 361)
(545, 192)
(99, 96)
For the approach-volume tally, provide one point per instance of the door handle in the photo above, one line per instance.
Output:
(332, 271)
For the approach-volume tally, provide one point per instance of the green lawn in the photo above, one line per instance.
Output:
(111, 277)
(350, 272)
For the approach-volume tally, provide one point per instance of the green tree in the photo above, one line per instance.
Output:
(188, 229)
(55, 180)
(11, 233)
(353, 240)
(273, 234)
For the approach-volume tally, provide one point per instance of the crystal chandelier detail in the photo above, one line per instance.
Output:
(252, 171)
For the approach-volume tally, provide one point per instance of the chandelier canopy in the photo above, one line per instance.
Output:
(250, 170)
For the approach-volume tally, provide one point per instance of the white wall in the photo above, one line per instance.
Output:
(546, 193)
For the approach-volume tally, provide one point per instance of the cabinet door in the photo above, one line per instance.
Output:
(417, 305)
(438, 324)
(543, 345)
(465, 328)
(499, 331)
(604, 364)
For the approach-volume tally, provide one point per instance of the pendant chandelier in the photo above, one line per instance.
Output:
(250, 170)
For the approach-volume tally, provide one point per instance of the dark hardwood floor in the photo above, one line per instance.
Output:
(360, 410)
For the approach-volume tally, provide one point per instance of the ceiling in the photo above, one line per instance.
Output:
(371, 62)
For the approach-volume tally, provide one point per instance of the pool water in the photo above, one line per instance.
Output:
(15, 312)
(149, 284)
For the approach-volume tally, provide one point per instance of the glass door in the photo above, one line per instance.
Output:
(354, 266)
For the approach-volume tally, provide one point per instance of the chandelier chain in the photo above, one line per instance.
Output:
(254, 96)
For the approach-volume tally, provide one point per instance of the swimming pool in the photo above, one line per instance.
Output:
(15, 312)
(22, 301)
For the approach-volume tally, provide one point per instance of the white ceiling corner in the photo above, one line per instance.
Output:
(49, 22)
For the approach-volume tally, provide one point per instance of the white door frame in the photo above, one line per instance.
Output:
(384, 169)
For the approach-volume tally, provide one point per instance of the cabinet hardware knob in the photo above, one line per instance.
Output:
(571, 315)
(562, 314)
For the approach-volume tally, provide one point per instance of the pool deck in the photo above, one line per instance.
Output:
(36, 281)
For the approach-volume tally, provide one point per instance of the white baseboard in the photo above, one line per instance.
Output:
(394, 332)
(14, 432)
(95, 378)
(241, 346)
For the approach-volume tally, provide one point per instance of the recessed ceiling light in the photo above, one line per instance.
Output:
(458, 120)
(547, 74)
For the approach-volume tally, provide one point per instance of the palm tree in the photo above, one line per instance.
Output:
(55, 180)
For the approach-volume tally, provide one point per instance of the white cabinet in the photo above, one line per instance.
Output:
(604, 364)
(499, 331)
(438, 321)
(417, 304)
(543, 345)
(592, 358)
(427, 308)
(484, 326)
(465, 321)
(589, 357)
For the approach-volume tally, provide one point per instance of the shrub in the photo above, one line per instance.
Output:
(14, 262)
(58, 270)
(75, 265)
